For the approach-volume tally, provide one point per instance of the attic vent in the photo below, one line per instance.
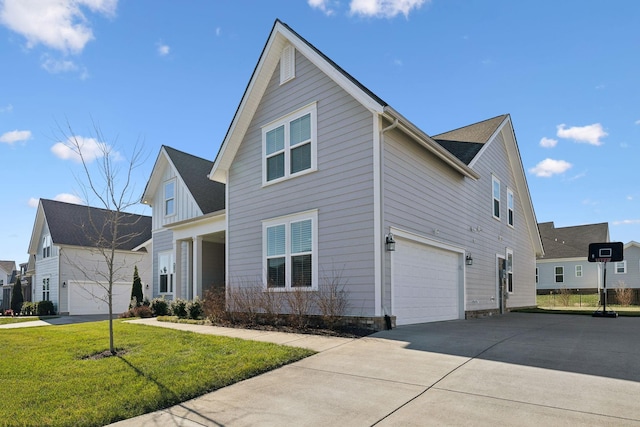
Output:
(287, 64)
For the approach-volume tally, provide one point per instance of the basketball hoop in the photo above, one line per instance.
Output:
(604, 253)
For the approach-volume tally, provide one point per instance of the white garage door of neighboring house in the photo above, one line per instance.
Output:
(426, 283)
(84, 298)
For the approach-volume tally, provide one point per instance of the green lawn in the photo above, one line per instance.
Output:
(47, 378)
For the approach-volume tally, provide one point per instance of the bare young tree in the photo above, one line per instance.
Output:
(106, 183)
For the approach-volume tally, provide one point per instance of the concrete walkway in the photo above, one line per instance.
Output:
(517, 369)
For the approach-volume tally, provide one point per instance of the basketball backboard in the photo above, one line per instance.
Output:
(608, 251)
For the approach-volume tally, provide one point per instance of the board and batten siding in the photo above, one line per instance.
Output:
(341, 189)
(185, 205)
(425, 196)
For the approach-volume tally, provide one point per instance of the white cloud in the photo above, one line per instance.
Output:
(55, 66)
(322, 5)
(384, 8)
(627, 222)
(33, 202)
(9, 109)
(590, 134)
(548, 142)
(69, 198)
(163, 49)
(218, 31)
(637, 122)
(15, 136)
(91, 149)
(550, 167)
(58, 24)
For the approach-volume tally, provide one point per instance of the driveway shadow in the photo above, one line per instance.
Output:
(571, 343)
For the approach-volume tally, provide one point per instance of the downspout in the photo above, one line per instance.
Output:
(385, 310)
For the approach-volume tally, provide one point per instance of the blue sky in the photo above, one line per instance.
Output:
(173, 72)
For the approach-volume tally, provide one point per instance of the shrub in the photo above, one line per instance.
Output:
(159, 307)
(45, 308)
(564, 295)
(624, 295)
(194, 309)
(332, 300)
(214, 306)
(244, 303)
(142, 311)
(16, 297)
(28, 308)
(300, 302)
(179, 308)
(136, 289)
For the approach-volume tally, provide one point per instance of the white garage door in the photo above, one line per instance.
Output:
(425, 283)
(87, 298)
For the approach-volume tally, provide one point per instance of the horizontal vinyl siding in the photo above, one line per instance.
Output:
(591, 275)
(425, 196)
(341, 189)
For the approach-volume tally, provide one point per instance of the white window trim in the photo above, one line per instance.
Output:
(555, 275)
(624, 267)
(287, 220)
(308, 109)
(579, 273)
(164, 197)
(47, 244)
(511, 209)
(495, 180)
(509, 270)
(172, 266)
(287, 64)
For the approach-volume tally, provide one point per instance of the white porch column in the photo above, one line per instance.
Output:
(177, 274)
(197, 266)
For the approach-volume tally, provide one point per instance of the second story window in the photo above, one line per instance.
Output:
(495, 183)
(510, 207)
(46, 246)
(289, 145)
(169, 198)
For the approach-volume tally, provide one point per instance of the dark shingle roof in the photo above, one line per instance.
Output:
(571, 242)
(79, 225)
(466, 142)
(209, 195)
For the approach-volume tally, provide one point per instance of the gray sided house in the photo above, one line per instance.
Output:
(70, 270)
(188, 225)
(7, 273)
(565, 262)
(626, 274)
(322, 176)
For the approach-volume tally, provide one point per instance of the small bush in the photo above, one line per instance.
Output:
(45, 308)
(179, 308)
(300, 302)
(624, 295)
(195, 309)
(332, 299)
(142, 311)
(214, 306)
(244, 303)
(564, 296)
(159, 307)
(28, 308)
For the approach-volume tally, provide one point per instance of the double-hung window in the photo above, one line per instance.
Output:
(495, 183)
(578, 270)
(290, 251)
(46, 290)
(509, 270)
(510, 207)
(289, 145)
(621, 267)
(170, 197)
(46, 246)
(559, 274)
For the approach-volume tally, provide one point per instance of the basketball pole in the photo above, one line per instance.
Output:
(604, 313)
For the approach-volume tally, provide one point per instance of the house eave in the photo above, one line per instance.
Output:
(210, 217)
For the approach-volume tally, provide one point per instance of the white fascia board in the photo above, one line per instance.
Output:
(426, 141)
(561, 260)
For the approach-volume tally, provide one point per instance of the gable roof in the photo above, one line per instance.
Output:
(282, 35)
(79, 225)
(8, 266)
(209, 195)
(466, 142)
(571, 242)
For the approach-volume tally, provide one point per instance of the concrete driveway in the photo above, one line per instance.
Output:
(517, 369)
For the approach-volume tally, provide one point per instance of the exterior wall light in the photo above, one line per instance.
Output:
(390, 243)
(468, 260)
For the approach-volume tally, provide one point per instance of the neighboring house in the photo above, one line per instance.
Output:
(7, 269)
(69, 267)
(188, 225)
(325, 180)
(565, 262)
(625, 273)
